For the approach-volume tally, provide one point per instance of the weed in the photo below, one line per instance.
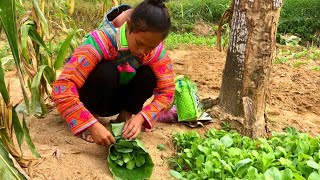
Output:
(272, 121)
(315, 55)
(226, 126)
(300, 54)
(297, 64)
(281, 60)
(297, 54)
(317, 68)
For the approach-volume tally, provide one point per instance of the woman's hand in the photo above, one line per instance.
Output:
(101, 135)
(132, 128)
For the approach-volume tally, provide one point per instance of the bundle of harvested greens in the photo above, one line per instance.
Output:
(128, 159)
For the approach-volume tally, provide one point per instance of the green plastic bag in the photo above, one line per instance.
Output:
(187, 101)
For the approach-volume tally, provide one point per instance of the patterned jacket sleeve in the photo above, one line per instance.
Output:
(65, 89)
(163, 93)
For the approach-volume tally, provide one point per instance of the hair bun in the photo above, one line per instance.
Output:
(156, 2)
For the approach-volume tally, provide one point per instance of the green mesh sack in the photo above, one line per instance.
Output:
(186, 99)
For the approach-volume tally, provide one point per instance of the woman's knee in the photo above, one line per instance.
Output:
(104, 74)
(145, 77)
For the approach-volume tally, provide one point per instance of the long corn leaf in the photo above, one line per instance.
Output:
(28, 30)
(24, 41)
(8, 20)
(0, 27)
(3, 88)
(43, 105)
(43, 20)
(5, 137)
(50, 75)
(64, 50)
(35, 95)
(16, 123)
(21, 2)
(17, 128)
(45, 60)
(28, 138)
(20, 8)
(7, 168)
(37, 38)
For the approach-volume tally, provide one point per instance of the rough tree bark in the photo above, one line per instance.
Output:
(245, 78)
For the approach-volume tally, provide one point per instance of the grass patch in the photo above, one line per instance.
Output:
(174, 40)
(185, 13)
(88, 14)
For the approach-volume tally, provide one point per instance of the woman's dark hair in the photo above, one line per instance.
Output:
(151, 15)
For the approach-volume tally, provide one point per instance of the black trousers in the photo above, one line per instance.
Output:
(103, 95)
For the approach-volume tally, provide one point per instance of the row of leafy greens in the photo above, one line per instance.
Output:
(229, 155)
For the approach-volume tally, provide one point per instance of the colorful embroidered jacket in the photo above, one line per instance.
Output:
(99, 47)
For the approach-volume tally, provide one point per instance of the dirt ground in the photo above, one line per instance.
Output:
(294, 100)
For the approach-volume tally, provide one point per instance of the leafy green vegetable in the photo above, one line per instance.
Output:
(175, 174)
(124, 153)
(286, 174)
(161, 147)
(272, 174)
(228, 155)
(128, 160)
(117, 130)
(314, 176)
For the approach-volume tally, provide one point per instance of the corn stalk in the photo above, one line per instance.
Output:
(32, 54)
(71, 9)
(7, 15)
(35, 54)
(9, 125)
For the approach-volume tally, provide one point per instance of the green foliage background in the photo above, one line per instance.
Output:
(301, 18)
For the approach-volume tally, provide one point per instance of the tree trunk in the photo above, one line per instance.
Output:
(245, 78)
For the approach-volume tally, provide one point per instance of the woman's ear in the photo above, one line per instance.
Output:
(128, 22)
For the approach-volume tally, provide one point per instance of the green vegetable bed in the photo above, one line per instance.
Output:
(228, 155)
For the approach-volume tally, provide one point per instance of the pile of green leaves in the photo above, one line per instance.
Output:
(128, 154)
(228, 155)
(128, 160)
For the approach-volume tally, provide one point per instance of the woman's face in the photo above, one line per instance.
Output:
(141, 43)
